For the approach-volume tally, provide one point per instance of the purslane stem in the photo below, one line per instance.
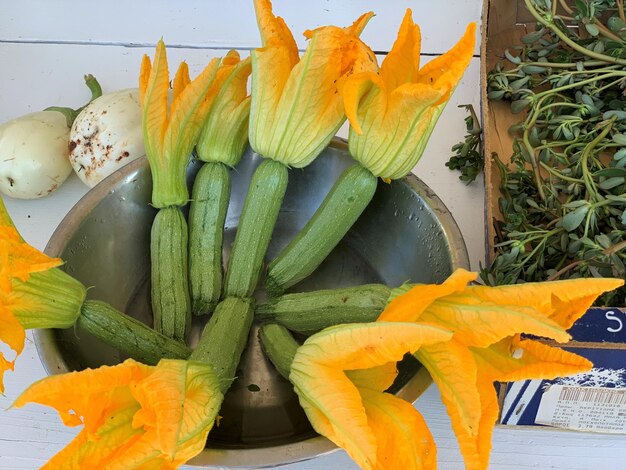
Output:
(573, 44)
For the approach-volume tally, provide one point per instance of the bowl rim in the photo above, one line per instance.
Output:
(272, 456)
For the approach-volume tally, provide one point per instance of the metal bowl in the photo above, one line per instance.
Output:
(405, 234)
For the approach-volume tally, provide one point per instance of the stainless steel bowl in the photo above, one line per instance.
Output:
(406, 234)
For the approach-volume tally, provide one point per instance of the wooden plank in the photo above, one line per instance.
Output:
(503, 27)
(218, 24)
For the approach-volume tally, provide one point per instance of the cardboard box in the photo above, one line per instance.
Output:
(592, 402)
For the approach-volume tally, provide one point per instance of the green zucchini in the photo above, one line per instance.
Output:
(279, 346)
(308, 312)
(207, 213)
(256, 224)
(225, 337)
(171, 304)
(343, 205)
(127, 335)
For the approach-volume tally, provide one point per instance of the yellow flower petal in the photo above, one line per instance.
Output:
(392, 120)
(179, 401)
(154, 120)
(331, 400)
(181, 80)
(401, 65)
(231, 59)
(563, 301)
(135, 416)
(359, 25)
(354, 89)
(144, 77)
(4, 366)
(403, 440)
(49, 299)
(445, 71)
(19, 259)
(5, 218)
(169, 140)
(518, 359)
(475, 444)
(296, 108)
(411, 305)
(395, 129)
(162, 396)
(187, 115)
(378, 378)
(486, 346)
(83, 397)
(98, 450)
(345, 424)
(11, 330)
(224, 134)
(477, 322)
(274, 31)
(365, 345)
(453, 368)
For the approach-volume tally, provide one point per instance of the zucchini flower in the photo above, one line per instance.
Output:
(295, 111)
(224, 133)
(221, 145)
(486, 346)
(296, 105)
(340, 376)
(36, 294)
(134, 416)
(33, 293)
(170, 137)
(392, 114)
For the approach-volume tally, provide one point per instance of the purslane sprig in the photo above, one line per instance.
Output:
(564, 193)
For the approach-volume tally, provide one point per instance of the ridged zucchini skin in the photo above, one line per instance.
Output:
(343, 205)
(171, 305)
(225, 337)
(256, 224)
(207, 213)
(309, 312)
(127, 335)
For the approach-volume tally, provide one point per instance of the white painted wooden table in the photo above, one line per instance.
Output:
(47, 46)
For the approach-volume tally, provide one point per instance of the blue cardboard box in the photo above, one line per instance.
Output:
(593, 401)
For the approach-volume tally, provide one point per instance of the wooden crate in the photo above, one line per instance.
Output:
(600, 334)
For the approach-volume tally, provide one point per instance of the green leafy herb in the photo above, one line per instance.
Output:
(468, 155)
(564, 191)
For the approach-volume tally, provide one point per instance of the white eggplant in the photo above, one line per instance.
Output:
(106, 135)
(33, 154)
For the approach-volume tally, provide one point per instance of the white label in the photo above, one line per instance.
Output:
(594, 409)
